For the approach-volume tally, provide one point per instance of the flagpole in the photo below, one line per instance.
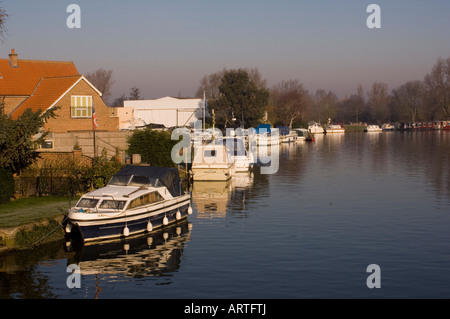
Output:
(204, 107)
(93, 127)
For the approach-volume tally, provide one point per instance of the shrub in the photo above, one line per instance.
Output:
(155, 147)
(7, 187)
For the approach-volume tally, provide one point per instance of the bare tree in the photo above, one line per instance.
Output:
(3, 17)
(135, 93)
(210, 85)
(326, 104)
(290, 99)
(408, 99)
(378, 102)
(102, 80)
(437, 84)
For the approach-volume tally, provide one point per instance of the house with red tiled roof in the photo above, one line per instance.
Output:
(44, 85)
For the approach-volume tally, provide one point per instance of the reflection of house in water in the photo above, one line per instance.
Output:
(146, 255)
(211, 198)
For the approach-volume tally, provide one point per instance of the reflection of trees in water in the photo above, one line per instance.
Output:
(293, 160)
(155, 254)
(419, 154)
(20, 276)
(25, 284)
(427, 154)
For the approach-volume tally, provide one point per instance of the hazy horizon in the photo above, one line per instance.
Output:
(165, 49)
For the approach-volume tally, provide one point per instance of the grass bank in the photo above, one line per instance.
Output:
(28, 210)
(28, 222)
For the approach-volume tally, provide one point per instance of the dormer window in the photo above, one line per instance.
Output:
(81, 106)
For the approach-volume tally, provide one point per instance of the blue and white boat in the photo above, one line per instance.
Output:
(138, 199)
(238, 152)
(265, 135)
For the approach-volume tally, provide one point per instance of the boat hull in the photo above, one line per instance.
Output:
(267, 140)
(95, 229)
(212, 173)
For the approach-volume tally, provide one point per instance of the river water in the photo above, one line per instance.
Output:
(335, 206)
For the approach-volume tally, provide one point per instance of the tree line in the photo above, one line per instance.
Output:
(240, 97)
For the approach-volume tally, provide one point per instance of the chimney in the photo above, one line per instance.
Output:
(13, 59)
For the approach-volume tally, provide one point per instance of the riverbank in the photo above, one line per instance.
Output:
(354, 128)
(27, 222)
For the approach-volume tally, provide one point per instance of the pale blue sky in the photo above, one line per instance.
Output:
(166, 47)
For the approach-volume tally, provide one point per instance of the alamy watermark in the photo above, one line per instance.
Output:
(74, 279)
(374, 19)
(74, 19)
(374, 279)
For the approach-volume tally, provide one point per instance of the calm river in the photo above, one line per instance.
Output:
(334, 207)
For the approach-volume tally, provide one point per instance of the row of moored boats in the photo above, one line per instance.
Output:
(142, 198)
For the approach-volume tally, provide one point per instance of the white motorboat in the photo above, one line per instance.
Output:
(387, 127)
(315, 128)
(136, 200)
(372, 128)
(212, 162)
(334, 128)
(238, 153)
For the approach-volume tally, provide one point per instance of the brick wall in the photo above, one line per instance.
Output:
(11, 102)
(65, 123)
(113, 143)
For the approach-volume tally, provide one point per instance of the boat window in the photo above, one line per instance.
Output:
(119, 180)
(87, 203)
(146, 199)
(139, 180)
(210, 153)
(112, 204)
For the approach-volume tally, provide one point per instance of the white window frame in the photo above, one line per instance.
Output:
(81, 106)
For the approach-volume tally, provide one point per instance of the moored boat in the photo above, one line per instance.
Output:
(302, 134)
(372, 128)
(212, 162)
(136, 200)
(387, 127)
(334, 128)
(265, 135)
(315, 128)
(238, 153)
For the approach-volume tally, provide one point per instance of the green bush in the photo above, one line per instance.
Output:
(7, 187)
(155, 147)
(100, 173)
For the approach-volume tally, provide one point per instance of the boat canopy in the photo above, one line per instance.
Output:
(263, 128)
(134, 175)
(284, 130)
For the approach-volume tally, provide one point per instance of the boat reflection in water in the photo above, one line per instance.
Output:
(148, 255)
(211, 199)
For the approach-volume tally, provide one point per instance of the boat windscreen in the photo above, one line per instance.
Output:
(112, 204)
(87, 203)
(139, 180)
(119, 180)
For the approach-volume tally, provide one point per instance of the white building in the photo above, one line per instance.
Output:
(167, 111)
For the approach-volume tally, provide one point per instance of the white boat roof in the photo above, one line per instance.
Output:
(119, 192)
